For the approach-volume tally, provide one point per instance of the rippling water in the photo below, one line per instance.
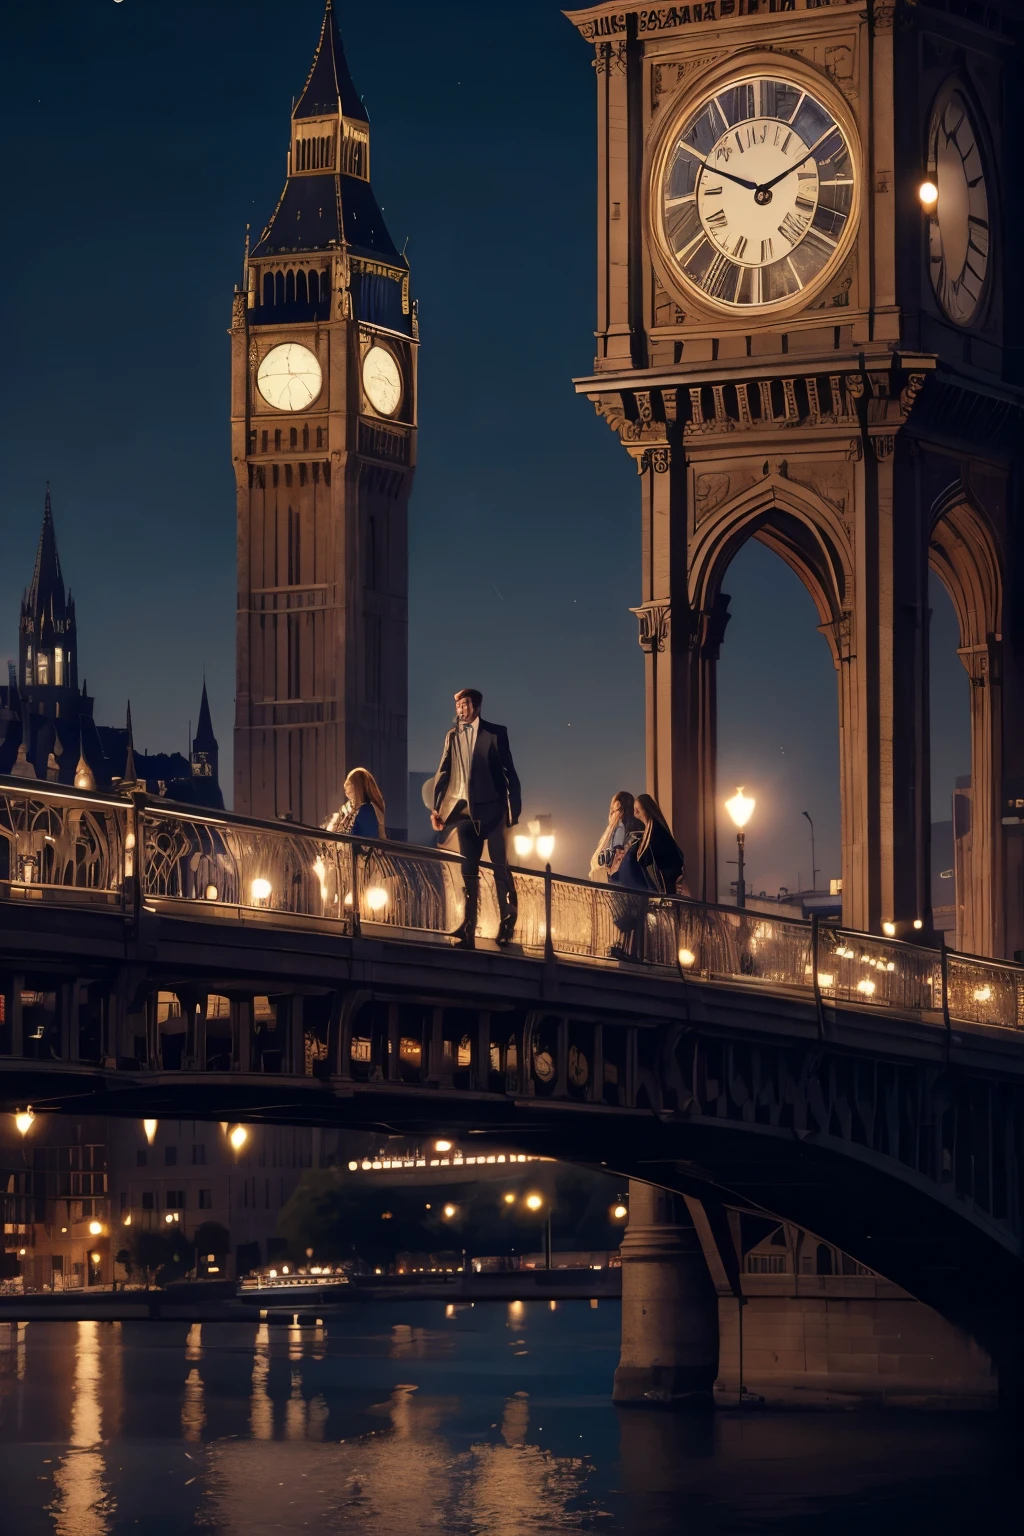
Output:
(415, 1417)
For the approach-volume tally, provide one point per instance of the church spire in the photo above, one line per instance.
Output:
(329, 87)
(205, 752)
(46, 593)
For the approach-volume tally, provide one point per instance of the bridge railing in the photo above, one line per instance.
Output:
(64, 846)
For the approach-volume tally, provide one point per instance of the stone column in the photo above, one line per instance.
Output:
(669, 1307)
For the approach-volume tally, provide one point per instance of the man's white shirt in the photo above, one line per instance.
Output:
(462, 759)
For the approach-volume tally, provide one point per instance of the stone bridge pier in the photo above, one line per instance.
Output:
(734, 1309)
(669, 1306)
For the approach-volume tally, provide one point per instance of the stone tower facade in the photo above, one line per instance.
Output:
(805, 315)
(323, 343)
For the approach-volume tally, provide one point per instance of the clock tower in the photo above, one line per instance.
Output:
(323, 408)
(807, 334)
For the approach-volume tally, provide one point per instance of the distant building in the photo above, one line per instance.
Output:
(47, 729)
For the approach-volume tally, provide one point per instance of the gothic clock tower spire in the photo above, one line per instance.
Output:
(324, 341)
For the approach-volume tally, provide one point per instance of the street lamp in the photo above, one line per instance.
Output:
(740, 808)
(814, 872)
(23, 1120)
(928, 192)
(535, 1203)
(539, 838)
(238, 1136)
(149, 1127)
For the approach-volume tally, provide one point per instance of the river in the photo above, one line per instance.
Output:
(421, 1417)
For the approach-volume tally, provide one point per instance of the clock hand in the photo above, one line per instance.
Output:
(766, 186)
(715, 170)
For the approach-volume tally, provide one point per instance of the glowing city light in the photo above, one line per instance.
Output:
(866, 987)
(534, 1202)
(918, 922)
(510, 1199)
(127, 1219)
(211, 893)
(449, 1211)
(523, 845)
(95, 1228)
(149, 1127)
(23, 1120)
(545, 846)
(740, 808)
(442, 1146)
(261, 890)
(376, 898)
(620, 1212)
(889, 929)
(826, 980)
(928, 192)
(95, 1257)
(687, 957)
(238, 1136)
(983, 994)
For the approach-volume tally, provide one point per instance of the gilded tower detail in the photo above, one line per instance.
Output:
(324, 342)
(803, 315)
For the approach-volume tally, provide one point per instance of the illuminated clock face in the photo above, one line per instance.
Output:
(756, 196)
(382, 380)
(958, 228)
(289, 377)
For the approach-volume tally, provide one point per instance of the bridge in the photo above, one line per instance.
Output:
(156, 960)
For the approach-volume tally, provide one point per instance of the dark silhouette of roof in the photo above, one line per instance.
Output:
(46, 595)
(319, 211)
(329, 81)
(204, 739)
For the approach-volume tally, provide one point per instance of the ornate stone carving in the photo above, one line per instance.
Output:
(666, 77)
(654, 620)
(710, 489)
(914, 385)
(884, 445)
(653, 458)
(610, 58)
(883, 13)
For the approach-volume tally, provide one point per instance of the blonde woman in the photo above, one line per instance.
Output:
(363, 813)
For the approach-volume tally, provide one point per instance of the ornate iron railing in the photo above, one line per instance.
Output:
(63, 846)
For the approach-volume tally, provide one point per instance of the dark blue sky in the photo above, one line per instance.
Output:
(139, 139)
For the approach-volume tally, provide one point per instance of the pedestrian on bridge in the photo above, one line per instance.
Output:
(611, 850)
(477, 798)
(363, 814)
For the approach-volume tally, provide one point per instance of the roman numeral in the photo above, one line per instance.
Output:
(804, 202)
(792, 228)
(717, 219)
(740, 246)
(715, 278)
(766, 250)
(711, 191)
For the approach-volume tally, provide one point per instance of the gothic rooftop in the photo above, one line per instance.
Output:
(329, 83)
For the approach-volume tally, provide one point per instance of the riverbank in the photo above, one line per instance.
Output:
(217, 1301)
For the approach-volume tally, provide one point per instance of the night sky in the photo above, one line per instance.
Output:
(139, 139)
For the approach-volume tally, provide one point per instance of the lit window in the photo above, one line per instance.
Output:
(28, 666)
(43, 670)
(58, 667)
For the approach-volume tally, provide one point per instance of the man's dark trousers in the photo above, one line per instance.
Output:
(474, 837)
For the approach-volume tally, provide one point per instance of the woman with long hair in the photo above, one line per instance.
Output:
(610, 851)
(363, 813)
(658, 855)
(653, 863)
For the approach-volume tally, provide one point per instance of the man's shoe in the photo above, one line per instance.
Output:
(506, 931)
(463, 939)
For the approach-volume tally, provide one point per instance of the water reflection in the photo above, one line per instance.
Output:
(487, 1422)
(82, 1505)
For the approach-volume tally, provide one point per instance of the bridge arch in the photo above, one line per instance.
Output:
(964, 554)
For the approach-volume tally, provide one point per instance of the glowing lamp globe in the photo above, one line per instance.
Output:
(238, 1136)
(740, 808)
(23, 1121)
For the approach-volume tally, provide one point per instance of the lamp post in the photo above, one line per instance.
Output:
(740, 808)
(536, 1203)
(814, 871)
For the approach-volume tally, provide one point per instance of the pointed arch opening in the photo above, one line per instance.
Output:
(964, 557)
(779, 691)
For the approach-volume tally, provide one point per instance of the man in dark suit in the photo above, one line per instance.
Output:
(477, 795)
